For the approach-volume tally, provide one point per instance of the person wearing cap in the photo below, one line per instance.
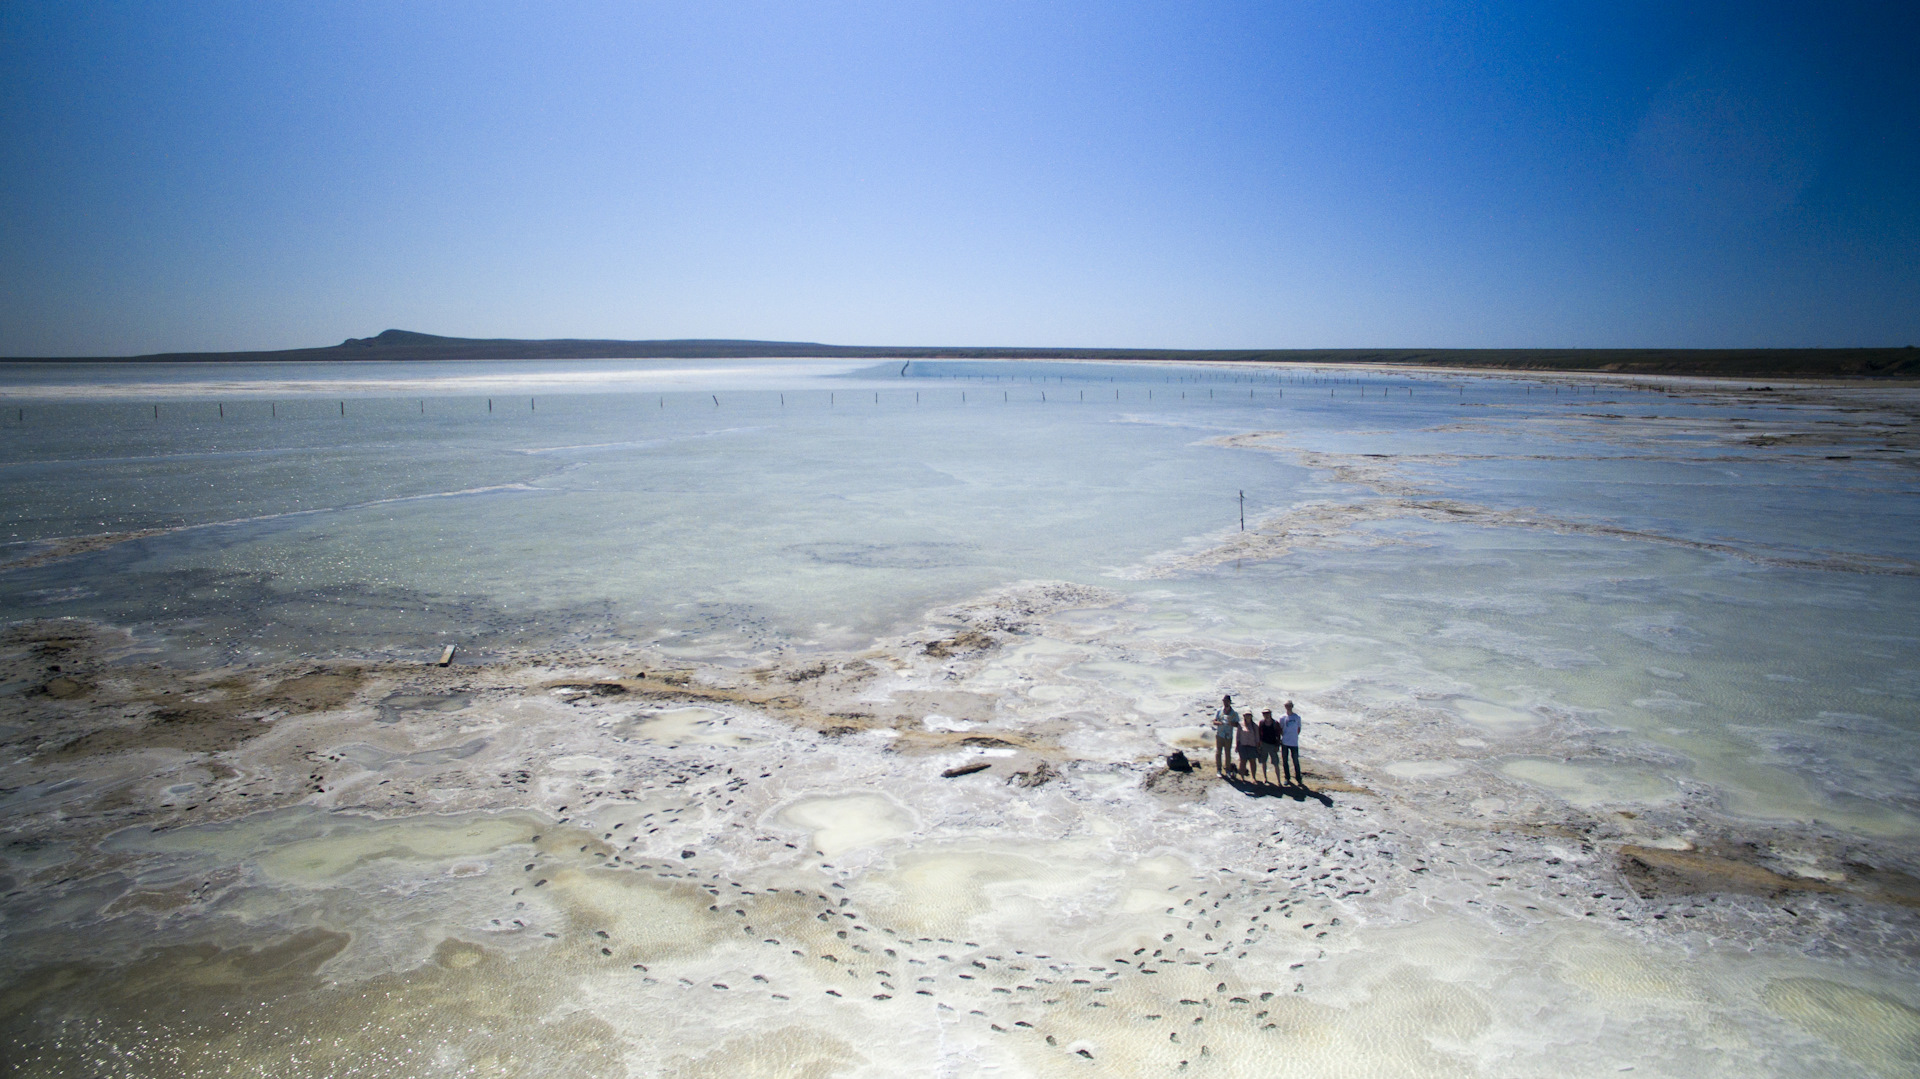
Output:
(1290, 746)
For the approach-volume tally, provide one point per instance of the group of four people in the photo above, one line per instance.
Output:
(1244, 746)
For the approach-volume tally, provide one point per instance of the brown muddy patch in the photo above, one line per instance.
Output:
(971, 640)
(320, 691)
(213, 716)
(66, 689)
(1656, 872)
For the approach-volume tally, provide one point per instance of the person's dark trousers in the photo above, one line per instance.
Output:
(1291, 754)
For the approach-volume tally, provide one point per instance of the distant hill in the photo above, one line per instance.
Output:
(1726, 363)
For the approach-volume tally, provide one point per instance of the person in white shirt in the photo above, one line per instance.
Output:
(1290, 746)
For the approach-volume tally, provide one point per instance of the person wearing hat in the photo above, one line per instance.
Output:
(1225, 722)
(1290, 746)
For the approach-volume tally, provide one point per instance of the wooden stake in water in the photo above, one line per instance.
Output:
(1243, 511)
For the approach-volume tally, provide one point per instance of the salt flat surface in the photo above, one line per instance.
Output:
(1610, 701)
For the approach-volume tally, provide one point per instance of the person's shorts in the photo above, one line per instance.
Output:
(1250, 754)
(1269, 751)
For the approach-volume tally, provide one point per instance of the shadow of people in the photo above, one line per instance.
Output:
(1299, 792)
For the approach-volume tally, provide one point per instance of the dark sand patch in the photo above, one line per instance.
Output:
(66, 689)
(1656, 872)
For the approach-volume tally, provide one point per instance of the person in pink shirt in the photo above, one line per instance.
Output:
(1246, 740)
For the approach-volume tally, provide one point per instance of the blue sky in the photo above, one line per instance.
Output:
(1203, 175)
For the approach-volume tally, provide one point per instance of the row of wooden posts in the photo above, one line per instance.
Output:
(20, 414)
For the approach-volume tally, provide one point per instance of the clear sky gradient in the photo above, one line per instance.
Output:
(183, 176)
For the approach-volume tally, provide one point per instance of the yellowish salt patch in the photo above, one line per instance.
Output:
(310, 848)
(645, 920)
(847, 822)
(685, 726)
(413, 839)
(1591, 783)
(1874, 1029)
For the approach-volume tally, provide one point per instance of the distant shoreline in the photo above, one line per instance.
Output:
(405, 346)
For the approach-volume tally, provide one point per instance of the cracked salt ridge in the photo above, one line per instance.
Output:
(1390, 936)
(1325, 524)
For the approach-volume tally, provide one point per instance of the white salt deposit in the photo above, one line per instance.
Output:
(1566, 814)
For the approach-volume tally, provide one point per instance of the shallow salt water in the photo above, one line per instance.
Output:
(1508, 615)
